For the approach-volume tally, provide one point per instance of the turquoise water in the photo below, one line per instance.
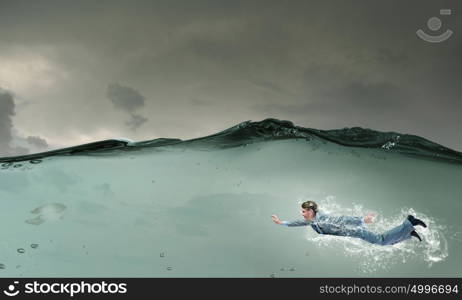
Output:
(201, 208)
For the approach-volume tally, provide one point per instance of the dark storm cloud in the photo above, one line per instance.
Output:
(7, 111)
(37, 142)
(136, 121)
(6, 124)
(124, 97)
(127, 99)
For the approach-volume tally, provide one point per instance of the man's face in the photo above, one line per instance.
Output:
(307, 214)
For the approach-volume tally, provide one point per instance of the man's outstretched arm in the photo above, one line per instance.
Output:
(287, 223)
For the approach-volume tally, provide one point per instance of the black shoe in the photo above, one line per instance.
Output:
(415, 234)
(415, 221)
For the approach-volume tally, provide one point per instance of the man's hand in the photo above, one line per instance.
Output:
(276, 219)
(368, 218)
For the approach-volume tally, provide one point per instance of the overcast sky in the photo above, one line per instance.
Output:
(74, 72)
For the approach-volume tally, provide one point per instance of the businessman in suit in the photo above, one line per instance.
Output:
(324, 223)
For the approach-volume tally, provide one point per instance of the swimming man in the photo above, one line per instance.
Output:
(323, 223)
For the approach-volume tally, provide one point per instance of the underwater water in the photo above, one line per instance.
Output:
(202, 207)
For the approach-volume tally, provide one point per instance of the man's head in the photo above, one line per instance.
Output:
(309, 209)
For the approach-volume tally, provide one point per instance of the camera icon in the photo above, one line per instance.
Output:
(11, 290)
(434, 24)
